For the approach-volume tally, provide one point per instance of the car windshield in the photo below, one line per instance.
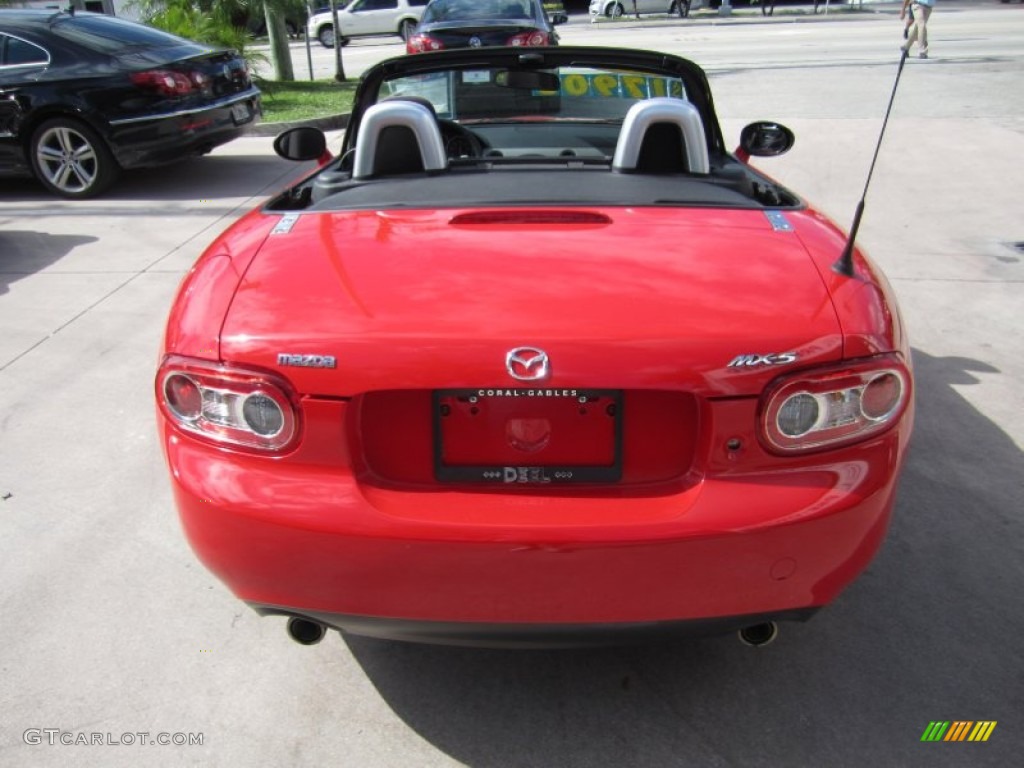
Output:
(566, 126)
(463, 10)
(109, 35)
(567, 92)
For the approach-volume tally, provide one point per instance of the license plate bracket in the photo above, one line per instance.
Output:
(527, 437)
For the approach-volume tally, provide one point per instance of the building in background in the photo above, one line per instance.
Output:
(124, 8)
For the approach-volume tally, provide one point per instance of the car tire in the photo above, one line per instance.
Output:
(616, 11)
(326, 36)
(406, 28)
(680, 8)
(71, 160)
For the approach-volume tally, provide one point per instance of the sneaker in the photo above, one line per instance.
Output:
(922, 55)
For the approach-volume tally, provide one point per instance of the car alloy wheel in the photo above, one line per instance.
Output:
(616, 11)
(326, 37)
(71, 160)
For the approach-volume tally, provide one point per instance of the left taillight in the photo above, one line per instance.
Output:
(166, 82)
(422, 44)
(833, 406)
(533, 38)
(228, 405)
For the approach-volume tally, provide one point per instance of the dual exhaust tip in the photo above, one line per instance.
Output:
(308, 632)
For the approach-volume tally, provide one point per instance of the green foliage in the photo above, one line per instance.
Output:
(186, 19)
(211, 24)
(302, 100)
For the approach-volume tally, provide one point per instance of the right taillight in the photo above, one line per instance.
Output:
(533, 38)
(837, 405)
(164, 81)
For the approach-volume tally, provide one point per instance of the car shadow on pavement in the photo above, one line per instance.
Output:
(23, 252)
(929, 632)
(16, 189)
(208, 178)
(197, 179)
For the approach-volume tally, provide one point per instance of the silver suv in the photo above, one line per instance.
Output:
(613, 9)
(361, 18)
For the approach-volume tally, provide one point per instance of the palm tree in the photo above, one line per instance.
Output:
(223, 22)
(339, 67)
(280, 52)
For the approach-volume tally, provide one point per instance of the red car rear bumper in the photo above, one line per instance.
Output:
(312, 540)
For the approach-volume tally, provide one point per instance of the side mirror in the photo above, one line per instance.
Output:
(765, 139)
(301, 143)
(559, 18)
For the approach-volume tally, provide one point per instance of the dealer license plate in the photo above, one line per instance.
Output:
(515, 436)
(241, 113)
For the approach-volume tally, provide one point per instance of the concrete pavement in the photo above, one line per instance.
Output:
(111, 626)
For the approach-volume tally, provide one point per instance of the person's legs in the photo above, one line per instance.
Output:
(921, 14)
(912, 36)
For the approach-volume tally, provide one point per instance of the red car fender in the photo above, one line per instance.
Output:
(203, 298)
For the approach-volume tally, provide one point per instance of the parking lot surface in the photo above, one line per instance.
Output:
(112, 627)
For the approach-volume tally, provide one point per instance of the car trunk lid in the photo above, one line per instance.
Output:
(712, 301)
(195, 80)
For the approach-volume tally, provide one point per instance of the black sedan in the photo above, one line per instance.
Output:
(476, 23)
(84, 95)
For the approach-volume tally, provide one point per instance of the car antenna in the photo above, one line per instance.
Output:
(844, 266)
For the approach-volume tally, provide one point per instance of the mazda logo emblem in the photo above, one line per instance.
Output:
(475, 42)
(527, 363)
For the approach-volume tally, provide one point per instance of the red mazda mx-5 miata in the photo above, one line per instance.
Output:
(535, 361)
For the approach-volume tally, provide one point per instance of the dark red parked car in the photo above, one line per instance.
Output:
(447, 24)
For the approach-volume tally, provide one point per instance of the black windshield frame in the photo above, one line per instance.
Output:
(695, 82)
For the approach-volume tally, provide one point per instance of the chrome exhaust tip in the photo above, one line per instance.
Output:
(304, 631)
(757, 635)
